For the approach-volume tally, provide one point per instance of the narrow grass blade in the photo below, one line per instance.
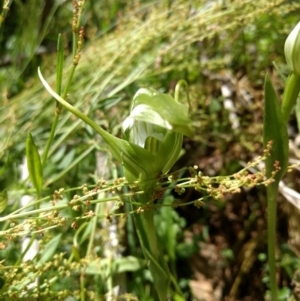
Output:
(60, 64)
(34, 164)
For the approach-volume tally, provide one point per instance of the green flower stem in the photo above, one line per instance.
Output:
(291, 92)
(144, 222)
(272, 193)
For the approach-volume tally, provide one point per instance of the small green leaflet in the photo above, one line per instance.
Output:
(34, 164)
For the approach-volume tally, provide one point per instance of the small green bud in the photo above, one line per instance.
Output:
(292, 50)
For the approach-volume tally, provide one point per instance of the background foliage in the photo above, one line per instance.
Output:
(215, 251)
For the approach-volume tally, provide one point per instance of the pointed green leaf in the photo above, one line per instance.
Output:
(34, 164)
(275, 130)
(3, 200)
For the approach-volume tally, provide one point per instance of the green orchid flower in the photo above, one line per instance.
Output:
(153, 135)
(157, 123)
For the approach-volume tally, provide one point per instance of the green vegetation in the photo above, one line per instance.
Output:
(94, 96)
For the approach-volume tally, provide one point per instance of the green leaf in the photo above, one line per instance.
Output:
(34, 164)
(49, 250)
(275, 130)
(3, 200)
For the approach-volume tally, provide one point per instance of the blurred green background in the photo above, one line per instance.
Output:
(223, 49)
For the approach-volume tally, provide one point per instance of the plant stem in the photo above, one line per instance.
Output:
(272, 193)
(144, 222)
